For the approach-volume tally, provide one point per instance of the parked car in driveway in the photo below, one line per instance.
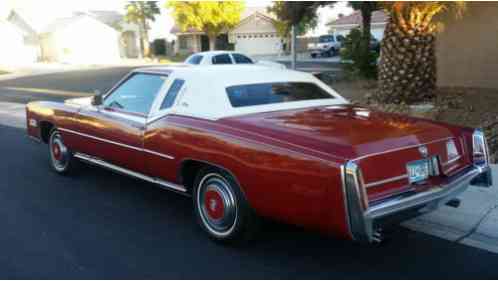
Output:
(250, 141)
(227, 57)
(327, 46)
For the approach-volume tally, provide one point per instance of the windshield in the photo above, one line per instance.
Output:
(325, 39)
(270, 93)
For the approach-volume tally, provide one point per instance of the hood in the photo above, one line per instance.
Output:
(79, 102)
(344, 131)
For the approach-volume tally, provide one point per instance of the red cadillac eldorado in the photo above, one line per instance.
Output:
(249, 141)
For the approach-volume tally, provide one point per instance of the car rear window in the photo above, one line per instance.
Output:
(240, 59)
(270, 93)
(194, 59)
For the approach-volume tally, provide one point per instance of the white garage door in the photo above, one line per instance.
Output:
(257, 44)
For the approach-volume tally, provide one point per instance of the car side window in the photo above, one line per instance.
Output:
(173, 91)
(195, 59)
(136, 94)
(239, 59)
(222, 59)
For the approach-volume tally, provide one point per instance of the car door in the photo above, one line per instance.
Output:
(160, 143)
(114, 130)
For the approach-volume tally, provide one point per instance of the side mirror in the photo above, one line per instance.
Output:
(97, 98)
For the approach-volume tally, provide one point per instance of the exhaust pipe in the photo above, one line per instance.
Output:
(455, 203)
(377, 236)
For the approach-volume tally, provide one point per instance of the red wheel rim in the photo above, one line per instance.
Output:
(57, 151)
(215, 206)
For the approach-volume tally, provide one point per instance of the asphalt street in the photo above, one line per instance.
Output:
(97, 224)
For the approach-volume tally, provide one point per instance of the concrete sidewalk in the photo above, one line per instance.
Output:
(474, 222)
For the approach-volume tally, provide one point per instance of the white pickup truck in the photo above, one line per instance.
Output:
(328, 45)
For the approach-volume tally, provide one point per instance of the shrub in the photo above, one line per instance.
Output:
(359, 60)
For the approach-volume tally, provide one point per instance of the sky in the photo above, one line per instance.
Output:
(41, 13)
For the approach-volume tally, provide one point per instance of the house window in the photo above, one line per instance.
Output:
(182, 40)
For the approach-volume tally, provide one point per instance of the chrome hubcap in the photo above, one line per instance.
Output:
(217, 205)
(58, 152)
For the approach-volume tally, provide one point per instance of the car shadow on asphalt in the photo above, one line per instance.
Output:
(118, 227)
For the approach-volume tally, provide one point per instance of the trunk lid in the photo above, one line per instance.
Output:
(344, 131)
(381, 143)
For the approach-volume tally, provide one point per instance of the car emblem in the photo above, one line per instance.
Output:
(423, 150)
(212, 205)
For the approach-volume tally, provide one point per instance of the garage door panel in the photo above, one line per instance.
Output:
(258, 45)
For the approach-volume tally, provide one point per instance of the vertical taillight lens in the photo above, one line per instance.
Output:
(480, 153)
(354, 181)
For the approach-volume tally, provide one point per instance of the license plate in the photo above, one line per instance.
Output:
(418, 171)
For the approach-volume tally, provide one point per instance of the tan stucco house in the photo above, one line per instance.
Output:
(467, 49)
(80, 39)
(254, 35)
(344, 24)
(129, 46)
(20, 44)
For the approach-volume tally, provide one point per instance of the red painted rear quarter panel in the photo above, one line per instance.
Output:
(280, 183)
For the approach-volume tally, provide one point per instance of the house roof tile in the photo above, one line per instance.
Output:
(356, 18)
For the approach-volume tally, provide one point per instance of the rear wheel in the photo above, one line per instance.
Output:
(221, 208)
(61, 158)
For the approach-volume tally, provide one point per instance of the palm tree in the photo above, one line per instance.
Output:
(140, 12)
(407, 68)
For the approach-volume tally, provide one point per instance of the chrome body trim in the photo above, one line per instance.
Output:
(361, 220)
(398, 149)
(452, 160)
(35, 139)
(345, 202)
(100, 139)
(159, 154)
(118, 144)
(381, 182)
(102, 163)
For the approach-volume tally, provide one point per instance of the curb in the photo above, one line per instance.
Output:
(474, 223)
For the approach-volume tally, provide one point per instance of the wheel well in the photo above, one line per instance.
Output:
(190, 168)
(45, 128)
(188, 172)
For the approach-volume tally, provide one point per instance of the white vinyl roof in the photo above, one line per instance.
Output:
(204, 94)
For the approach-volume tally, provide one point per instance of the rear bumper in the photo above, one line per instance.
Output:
(363, 222)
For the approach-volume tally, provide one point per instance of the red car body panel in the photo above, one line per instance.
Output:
(288, 163)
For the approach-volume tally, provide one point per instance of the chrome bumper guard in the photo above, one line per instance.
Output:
(362, 218)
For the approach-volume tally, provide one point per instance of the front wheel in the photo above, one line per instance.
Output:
(61, 158)
(221, 208)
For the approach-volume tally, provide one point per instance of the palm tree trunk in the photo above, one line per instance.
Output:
(366, 15)
(212, 42)
(145, 39)
(407, 68)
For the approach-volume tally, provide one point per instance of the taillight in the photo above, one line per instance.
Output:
(353, 180)
(480, 153)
